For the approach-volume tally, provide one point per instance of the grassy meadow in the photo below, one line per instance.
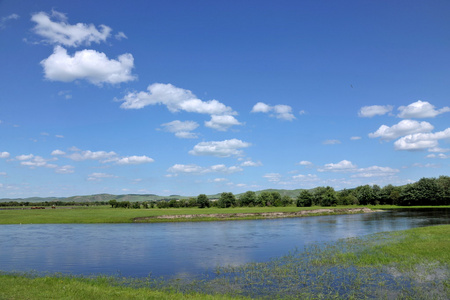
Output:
(106, 214)
(409, 264)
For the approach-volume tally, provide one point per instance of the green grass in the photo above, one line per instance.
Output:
(21, 287)
(121, 215)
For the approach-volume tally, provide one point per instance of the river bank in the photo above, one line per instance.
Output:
(256, 215)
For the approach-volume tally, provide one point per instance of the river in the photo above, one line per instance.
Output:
(187, 248)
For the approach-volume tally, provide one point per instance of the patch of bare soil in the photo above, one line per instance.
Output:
(264, 215)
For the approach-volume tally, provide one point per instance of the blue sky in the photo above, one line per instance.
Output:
(190, 97)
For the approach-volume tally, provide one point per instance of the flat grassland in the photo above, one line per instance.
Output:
(106, 214)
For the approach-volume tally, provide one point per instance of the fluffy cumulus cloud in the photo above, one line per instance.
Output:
(222, 122)
(58, 152)
(273, 177)
(55, 30)
(374, 110)
(89, 65)
(421, 109)
(280, 111)
(342, 166)
(134, 160)
(181, 129)
(102, 156)
(108, 157)
(33, 161)
(305, 163)
(403, 128)
(198, 170)
(220, 148)
(249, 163)
(421, 141)
(4, 154)
(175, 98)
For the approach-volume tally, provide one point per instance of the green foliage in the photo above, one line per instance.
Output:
(203, 201)
(304, 199)
(248, 199)
(265, 199)
(226, 200)
(325, 196)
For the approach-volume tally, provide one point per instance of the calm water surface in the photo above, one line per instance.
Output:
(185, 249)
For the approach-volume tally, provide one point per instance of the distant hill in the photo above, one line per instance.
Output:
(134, 197)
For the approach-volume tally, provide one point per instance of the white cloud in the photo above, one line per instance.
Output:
(120, 35)
(439, 155)
(250, 163)
(375, 171)
(305, 163)
(280, 111)
(35, 161)
(421, 141)
(370, 111)
(176, 99)
(222, 123)
(261, 107)
(220, 148)
(24, 157)
(273, 177)
(67, 169)
(355, 138)
(60, 32)
(197, 170)
(4, 154)
(102, 156)
(403, 128)
(3, 174)
(4, 20)
(58, 152)
(99, 176)
(305, 178)
(342, 166)
(134, 160)
(331, 142)
(90, 65)
(181, 129)
(420, 109)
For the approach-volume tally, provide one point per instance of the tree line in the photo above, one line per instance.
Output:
(426, 191)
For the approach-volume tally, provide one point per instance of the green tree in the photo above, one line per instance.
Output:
(248, 198)
(113, 203)
(276, 199)
(192, 202)
(443, 183)
(304, 199)
(264, 199)
(365, 195)
(203, 201)
(325, 196)
(226, 200)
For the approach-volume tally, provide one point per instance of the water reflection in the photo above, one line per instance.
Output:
(184, 249)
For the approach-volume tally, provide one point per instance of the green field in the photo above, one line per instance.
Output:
(410, 264)
(105, 214)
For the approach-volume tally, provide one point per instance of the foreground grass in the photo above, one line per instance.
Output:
(18, 287)
(410, 264)
(121, 215)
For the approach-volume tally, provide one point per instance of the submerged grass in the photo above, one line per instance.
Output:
(410, 264)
